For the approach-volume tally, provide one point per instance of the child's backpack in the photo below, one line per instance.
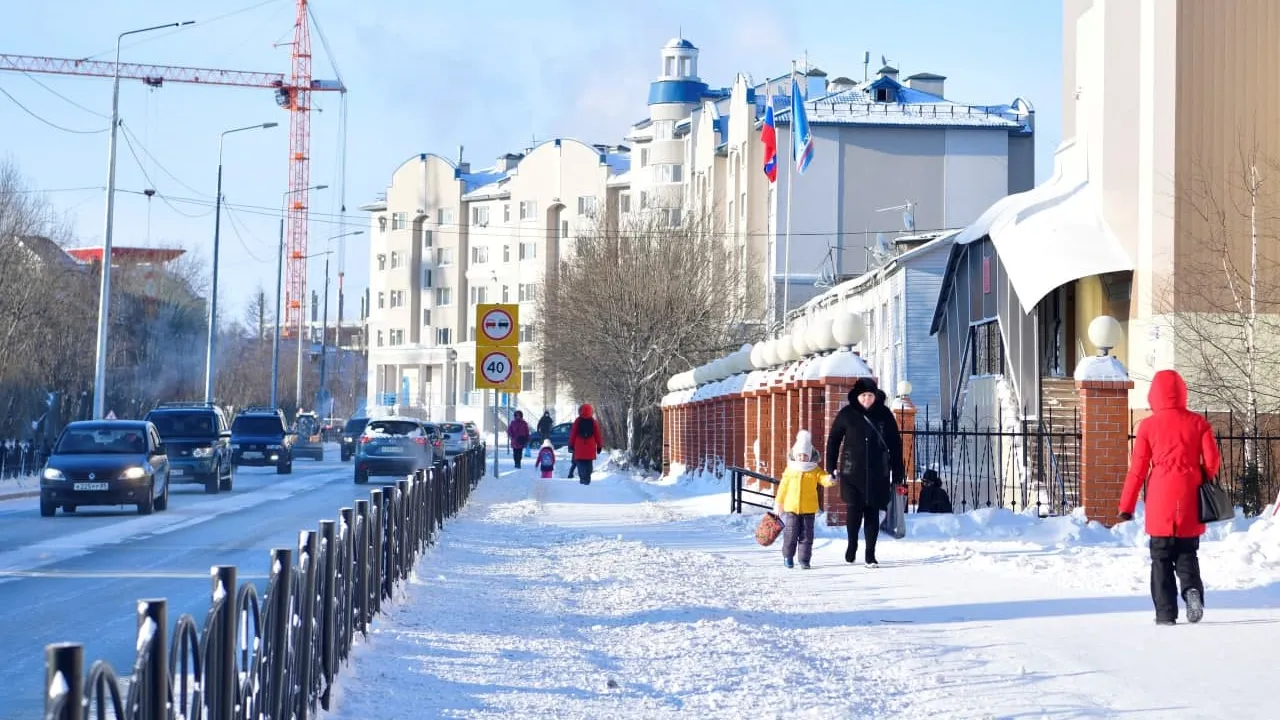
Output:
(546, 458)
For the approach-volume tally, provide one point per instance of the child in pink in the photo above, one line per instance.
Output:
(547, 459)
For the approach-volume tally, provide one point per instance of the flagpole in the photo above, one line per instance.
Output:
(771, 283)
(786, 272)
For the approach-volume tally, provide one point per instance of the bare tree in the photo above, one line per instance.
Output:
(633, 301)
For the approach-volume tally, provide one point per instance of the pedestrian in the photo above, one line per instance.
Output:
(585, 443)
(1173, 453)
(547, 459)
(544, 425)
(933, 498)
(796, 500)
(518, 436)
(864, 453)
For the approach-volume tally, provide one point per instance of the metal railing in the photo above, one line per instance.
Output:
(273, 657)
(737, 489)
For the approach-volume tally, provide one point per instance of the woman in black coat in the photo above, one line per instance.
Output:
(864, 452)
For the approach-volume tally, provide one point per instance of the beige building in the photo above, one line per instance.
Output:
(446, 239)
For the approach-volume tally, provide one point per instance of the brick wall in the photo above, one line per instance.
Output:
(1104, 447)
(835, 396)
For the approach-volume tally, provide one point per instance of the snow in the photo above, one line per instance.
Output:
(58, 686)
(145, 633)
(19, 485)
(640, 597)
(844, 364)
(1104, 369)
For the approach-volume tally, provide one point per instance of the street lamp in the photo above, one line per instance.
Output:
(324, 321)
(301, 324)
(275, 343)
(104, 287)
(213, 298)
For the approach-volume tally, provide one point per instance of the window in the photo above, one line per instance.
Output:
(426, 316)
(686, 67)
(669, 67)
(397, 260)
(586, 205)
(526, 380)
(426, 238)
(480, 215)
(379, 338)
(479, 295)
(671, 216)
(526, 333)
(528, 209)
(644, 157)
(382, 223)
(644, 200)
(397, 298)
(399, 221)
(506, 294)
(468, 378)
(528, 292)
(444, 297)
(624, 202)
(396, 337)
(986, 350)
(668, 173)
(382, 300)
(426, 278)
(444, 336)
(743, 207)
(506, 253)
(479, 254)
(444, 216)
(528, 250)
(731, 209)
(382, 261)
(506, 212)
(664, 129)
(444, 256)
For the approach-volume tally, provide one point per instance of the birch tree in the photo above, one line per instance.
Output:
(634, 301)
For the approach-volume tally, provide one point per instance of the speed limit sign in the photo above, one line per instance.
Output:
(497, 369)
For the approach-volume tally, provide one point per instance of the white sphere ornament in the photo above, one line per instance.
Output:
(847, 329)
(757, 356)
(784, 349)
(800, 342)
(904, 388)
(742, 360)
(700, 375)
(770, 353)
(820, 337)
(1105, 333)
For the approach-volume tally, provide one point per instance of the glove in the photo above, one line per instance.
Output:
(1126, 517)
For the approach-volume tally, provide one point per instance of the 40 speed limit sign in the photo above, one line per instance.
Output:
(498, 370)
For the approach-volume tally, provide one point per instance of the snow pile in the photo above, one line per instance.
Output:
(20, 484)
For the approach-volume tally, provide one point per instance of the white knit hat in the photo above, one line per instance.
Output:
(803, 446)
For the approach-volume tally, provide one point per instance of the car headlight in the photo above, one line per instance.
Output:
(134, 473)
(346, 439)
(53, 474)
(202, 452)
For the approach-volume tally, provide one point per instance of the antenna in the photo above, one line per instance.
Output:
(866, 65)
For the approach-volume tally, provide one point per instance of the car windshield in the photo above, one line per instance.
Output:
(179, 424)
(307, 425)
(451, 428)
(356, 426)
(102, 441)
(257, 425)
(394, 428)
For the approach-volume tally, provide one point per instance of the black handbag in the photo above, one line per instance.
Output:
(1215, 503)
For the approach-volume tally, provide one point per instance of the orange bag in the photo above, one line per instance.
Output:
(768, 530)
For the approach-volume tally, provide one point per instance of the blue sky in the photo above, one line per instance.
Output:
(430, 77)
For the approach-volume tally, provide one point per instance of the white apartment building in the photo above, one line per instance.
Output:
(446, 239)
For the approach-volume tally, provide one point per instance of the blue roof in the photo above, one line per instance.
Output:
(618, 162)
(680, 42)
(478, 179)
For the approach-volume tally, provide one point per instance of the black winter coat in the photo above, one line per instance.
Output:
(864, 460)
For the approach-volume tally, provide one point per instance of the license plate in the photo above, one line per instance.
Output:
(392, 450)
(251, 454)
(89, 487)
(177, 473)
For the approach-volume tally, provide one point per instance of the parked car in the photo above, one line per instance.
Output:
(260, 437)
(456, 439)
(106, 462)
(393, 446)
(331, 428)
(350, 436)
(473, 431)
(310, 436)
(436, 437)
(197, 439)
(559, 436)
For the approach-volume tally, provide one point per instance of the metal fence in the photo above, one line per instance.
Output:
(737, 489)
(274, 657)
(1015, 464)
(21, 459)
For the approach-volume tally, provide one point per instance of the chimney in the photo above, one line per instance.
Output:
(815, 83)
(508, 162)
(462, 166)
(927, 82)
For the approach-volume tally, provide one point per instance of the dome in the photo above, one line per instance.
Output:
(681, 43)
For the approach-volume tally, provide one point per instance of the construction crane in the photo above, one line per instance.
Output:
(293, 93)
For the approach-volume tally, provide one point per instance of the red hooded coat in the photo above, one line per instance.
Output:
(1173, 452)
(585, 448)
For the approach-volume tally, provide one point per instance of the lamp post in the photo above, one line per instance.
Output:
(104, 286)
(275, 342)
(213, 296)
(324, 321)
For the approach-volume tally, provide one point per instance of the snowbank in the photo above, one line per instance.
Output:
(23, 484)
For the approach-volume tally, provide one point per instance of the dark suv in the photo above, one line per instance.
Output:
(395, 446)
(197, 440)
(351, 436)
(260, 437)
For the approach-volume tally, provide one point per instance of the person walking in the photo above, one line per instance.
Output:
(796, 500)
(518, 436)
(864, 452)
(544, 425)
(585, 443)
(547, 459)
(1173, 453)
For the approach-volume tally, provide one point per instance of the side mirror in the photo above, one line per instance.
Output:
(160, 449)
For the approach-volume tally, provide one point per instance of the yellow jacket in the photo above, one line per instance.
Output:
(798, 490)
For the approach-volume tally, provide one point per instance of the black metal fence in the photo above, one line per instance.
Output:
(988, 462)
(274, 657)
(738, 489)
(20, 459)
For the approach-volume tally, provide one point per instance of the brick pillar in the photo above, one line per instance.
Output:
(699, 428)
(835, 395)
(666, 440)
(776, 432)
(750, 426)
(812, 415)
(735, 413)
(682, 431)
(795, 423)
(904, 411)
(1104, 442)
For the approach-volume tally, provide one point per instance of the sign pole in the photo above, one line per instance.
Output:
(497, 357)
(495, 433)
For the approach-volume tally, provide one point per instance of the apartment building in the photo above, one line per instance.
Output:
(446, 239)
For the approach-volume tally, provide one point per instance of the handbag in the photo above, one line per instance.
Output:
(1215, 503)
(769, 529)
(895, 518)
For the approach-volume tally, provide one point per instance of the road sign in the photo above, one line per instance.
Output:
(497, 325)
(498, 369)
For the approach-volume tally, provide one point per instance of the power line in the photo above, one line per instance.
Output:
(152, 183)
(158, 164)
(199, 24)
(51, 124)
(37, 81)
(235, 230)
(34, 191)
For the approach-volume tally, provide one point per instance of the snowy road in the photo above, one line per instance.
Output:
(630, 599)
(77, 577)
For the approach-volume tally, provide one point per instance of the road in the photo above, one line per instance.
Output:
(77, 577)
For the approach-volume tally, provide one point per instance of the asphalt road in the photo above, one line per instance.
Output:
(78, 577)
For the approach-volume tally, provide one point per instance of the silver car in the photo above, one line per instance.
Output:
(456, 439)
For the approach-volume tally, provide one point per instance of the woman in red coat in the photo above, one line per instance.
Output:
(1174, 452)
(585, 443)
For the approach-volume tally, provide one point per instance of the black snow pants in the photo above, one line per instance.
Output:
(1173, 557)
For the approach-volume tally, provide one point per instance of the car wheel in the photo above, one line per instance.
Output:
(211, 485)
(148, 504)
(47, 509)
(226, 483)
(285, 469)
(362, 477)
(162, 502)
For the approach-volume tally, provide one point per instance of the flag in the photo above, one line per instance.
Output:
(769, 136)
(801, 137)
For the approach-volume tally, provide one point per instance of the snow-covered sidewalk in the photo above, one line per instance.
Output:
(637, 599)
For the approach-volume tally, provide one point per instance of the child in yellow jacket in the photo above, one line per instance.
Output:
(797, 500)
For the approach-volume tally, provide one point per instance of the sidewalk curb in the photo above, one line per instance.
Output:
(19, 495)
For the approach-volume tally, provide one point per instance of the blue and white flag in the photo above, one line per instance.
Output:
(801, 137)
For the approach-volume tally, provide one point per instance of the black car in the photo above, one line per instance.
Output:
(559, 436)
(309, 437)
(106, 462)
(197, 440)
(260, 437)
(351, 435)
(393, 447)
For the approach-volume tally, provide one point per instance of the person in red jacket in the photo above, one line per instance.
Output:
(585, 443)
(1174, 452)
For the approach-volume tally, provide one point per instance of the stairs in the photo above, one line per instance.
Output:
(1057, 452)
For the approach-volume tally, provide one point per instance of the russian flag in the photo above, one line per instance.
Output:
(769, 136)
(801, 137)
